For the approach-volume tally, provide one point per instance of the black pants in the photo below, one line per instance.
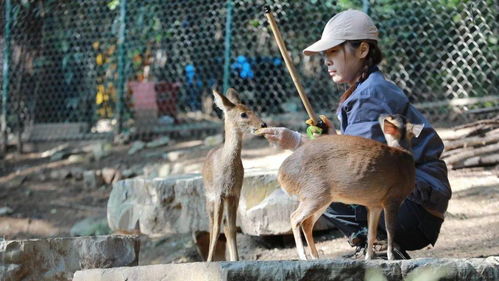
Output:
(415, 227)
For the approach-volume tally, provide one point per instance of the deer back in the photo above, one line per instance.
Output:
(349, 169)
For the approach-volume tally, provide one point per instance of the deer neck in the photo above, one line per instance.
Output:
(233, 142)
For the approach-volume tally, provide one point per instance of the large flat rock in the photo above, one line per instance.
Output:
(158, 206)
(264, 208)
(321, 270)
(58, 258)
(176, 204)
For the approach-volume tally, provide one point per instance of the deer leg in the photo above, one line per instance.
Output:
(305, 210)
(391, 211)
(210, 209)
(230, 205)
(296, 220)
(372, 221)
(216, 220)
(308, 226)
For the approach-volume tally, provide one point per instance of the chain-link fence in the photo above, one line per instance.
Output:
(97, 68)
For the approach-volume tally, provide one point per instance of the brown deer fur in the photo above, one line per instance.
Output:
(351, 170)
(223, 170)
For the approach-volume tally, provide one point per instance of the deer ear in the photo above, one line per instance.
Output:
(416, 129)
(232, 95)
(221, 101)
(381, 120)
(390, 129)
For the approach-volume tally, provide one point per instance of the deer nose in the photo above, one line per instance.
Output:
(263, 125)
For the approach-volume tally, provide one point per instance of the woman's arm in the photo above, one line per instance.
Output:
(289, 139)
(283, 137)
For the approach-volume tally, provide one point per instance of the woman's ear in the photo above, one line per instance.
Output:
(363, 50)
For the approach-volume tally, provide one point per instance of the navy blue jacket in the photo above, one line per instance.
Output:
(358, 116)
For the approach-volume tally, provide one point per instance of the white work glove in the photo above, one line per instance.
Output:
(282, 137)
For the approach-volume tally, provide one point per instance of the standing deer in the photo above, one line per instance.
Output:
(351, 170)
(223, 170)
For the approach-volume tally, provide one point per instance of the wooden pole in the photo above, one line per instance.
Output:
(289, 64)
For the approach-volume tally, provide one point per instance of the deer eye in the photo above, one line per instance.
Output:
(244, 115)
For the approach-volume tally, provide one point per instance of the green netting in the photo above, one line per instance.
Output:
(97, 68)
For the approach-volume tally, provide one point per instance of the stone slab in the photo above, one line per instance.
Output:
(321, 270)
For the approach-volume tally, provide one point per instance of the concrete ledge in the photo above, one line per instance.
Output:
(58, 258)
(321, 270)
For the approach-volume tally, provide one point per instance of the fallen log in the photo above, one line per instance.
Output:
(449, 153)
(486, 160)
(480, 127)
(482, 130)
(471, 153)
(493, 121)
(491, 137)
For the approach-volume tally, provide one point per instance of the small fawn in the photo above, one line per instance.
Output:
(351, 170)
(223, 170)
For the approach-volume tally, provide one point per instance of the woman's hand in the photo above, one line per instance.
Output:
(283, 137)
(330, 126)
(331, 129)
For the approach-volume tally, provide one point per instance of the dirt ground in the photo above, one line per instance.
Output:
(44, 202)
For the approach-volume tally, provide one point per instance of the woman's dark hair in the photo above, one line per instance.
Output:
(372, 59)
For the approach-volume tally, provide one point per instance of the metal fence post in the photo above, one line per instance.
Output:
(227, 44)
(5, 77)
(121, 67)
(366, 6)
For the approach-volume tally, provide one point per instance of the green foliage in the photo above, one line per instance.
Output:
(434, 49)
(349, 4)
(113, 4)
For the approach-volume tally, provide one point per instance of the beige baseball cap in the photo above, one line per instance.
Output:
(347, 25)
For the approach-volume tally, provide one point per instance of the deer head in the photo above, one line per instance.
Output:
(236, 114)
(398, 131)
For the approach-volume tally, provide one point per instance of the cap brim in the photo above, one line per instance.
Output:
(321, 46)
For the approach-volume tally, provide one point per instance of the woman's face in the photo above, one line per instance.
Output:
(344, 64)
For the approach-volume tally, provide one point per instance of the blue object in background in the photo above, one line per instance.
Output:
(193, 88)
(190, 72)
(243, 67)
